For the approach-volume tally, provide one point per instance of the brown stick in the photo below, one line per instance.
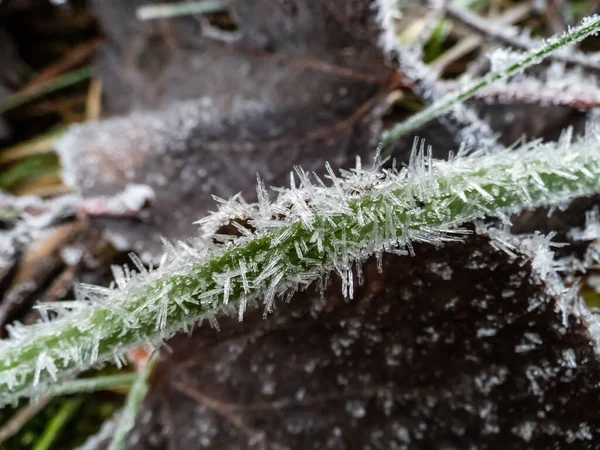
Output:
(16, 422)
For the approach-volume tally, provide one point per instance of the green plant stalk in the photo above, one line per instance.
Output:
(57, 423)
(132, 405)
(346, 223)
(166, 10)
(589, 26)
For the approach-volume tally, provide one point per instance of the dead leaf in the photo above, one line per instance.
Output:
(299, 85)
(459, 347)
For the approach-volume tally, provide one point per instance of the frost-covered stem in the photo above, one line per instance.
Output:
(559, 88)
(588, 26)
(134, 400)
(463, 121)
(166, 10)
(487, 28)
(288, 245)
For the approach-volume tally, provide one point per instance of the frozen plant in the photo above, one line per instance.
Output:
(281, 247)
(505, 63)
(274, 249)
(557, 86)
(462, 120)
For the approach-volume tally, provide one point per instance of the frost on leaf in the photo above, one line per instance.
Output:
(463, 344)
(244, 113)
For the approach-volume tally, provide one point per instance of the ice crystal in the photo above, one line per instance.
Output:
(313, 228)
(540, 249)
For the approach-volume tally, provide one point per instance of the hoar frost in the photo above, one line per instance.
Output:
(312, 229)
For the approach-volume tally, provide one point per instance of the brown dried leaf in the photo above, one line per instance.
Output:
(459, 347)
(300, 85)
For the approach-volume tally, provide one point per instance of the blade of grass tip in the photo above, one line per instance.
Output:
(166, 10)
(134, 400)
(86, 385)
(58, 422)
(588, 26)
(46, 87)
(433, 48)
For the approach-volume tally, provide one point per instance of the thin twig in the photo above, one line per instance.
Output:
(16, 422)
(36, 146)
(579, 93)
(71, 59)
(93, 103)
